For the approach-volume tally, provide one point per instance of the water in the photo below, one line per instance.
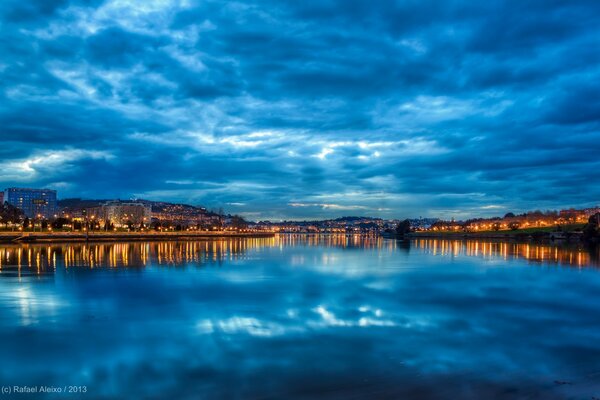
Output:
(301, 317)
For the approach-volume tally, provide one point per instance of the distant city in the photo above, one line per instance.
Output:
(30, 208)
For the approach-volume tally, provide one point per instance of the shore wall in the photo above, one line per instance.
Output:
(123, 237)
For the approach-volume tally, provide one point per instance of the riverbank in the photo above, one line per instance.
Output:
(37, 237)
(519, 235)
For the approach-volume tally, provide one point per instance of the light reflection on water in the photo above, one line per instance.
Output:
(568, 255)
(302, 316)
(44, 258)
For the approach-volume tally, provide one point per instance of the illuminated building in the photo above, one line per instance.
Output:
(33, 202)
(122, 213)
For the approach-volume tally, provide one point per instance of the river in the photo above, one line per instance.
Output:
(301, 316)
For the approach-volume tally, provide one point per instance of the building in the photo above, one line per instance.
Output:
(33, 202)
(122, 213)
(170, 214)
(1, 198)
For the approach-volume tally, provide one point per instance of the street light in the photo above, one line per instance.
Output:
(84, 212)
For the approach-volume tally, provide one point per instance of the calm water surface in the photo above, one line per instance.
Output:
(302, 317)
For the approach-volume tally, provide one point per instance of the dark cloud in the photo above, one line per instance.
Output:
(575, 104)
(117, 48)
(389, 109)
(29, 11)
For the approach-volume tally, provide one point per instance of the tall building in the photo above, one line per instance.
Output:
(33, 202)
(1, 198)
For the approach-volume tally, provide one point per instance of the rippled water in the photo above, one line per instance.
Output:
(302, 317)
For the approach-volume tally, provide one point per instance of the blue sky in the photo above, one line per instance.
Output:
(314, 109)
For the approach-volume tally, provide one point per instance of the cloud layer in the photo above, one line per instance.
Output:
(280, 110)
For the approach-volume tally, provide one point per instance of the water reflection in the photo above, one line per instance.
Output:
(43, 259)
(577, 256)
(35, 259)
(301, 316)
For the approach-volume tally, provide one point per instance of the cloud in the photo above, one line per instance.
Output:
(329, 206)
(47, 163)
(410, 107)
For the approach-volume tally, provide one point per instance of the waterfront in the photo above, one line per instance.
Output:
(302, 316)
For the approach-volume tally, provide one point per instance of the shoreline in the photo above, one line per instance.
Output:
(66, 237)
(37, 237)
(571, 237)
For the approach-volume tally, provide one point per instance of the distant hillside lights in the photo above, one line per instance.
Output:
(140, 215)
(36, 210)
(118, 214)
(533, 219)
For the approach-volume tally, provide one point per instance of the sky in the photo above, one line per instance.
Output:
(309, 109)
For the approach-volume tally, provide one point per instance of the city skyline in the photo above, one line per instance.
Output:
(305, 111)
(43, 202)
